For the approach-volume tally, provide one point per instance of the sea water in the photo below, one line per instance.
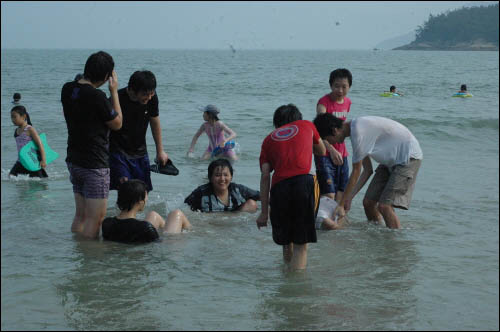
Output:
(438, 272)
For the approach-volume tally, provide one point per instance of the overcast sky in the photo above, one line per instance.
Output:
(211, 25)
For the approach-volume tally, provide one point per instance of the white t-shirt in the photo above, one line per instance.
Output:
(386, 141)
(325, 210)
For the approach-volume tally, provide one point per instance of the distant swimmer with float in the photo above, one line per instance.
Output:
(392, 92)
(463, 93)
(218, 144)
(16, 99)
(31, 148)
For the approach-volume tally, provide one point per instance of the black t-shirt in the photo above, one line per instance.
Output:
(204, 199)
(131, 138)
(86, 110)
(128, 230)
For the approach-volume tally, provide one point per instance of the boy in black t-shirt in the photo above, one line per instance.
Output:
(128, 150)
(89, 117)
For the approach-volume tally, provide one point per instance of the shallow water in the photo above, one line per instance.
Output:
(439, 272)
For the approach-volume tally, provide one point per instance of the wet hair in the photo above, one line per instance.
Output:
(219, 163)
(325, 122)
(340, 73)
(17, 96)
(463, 87)
(78, 77)
(129, 193)
(392, 88)
(144, 81)
(98, 67)
(21, 110)
(286, 114)
(212, 116)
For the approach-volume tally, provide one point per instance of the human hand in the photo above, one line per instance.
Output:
(262, 220)
(43, 163)
(336, 157)
(339, 211)
(113, 82)
(162, 158)
(347, 204)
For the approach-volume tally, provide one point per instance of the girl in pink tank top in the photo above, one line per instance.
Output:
(215, 129)
(24, 134)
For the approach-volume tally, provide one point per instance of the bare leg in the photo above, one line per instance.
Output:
(95, 210)
(206, 155)
(250, 206)
(176, 222)
(371, 211)
(299, 258)
(390, 217)
(78, 220)
(288, 252)
(155, 219)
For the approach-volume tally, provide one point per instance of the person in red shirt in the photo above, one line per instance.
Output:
(333, 167)
(293, 193)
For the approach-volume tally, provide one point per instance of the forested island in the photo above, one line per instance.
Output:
(465, 29)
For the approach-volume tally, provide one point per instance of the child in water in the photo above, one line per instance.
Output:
(215, 129)
(132, 198)
(23, 134)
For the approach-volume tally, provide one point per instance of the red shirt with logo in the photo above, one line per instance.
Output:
(289, 150)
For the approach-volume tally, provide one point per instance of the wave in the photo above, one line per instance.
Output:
(458, 123)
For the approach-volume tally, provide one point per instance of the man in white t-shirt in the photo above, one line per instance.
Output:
(390, 144)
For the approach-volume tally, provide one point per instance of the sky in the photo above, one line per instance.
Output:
(211, 24)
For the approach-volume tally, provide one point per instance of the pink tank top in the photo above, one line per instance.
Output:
(215, 135)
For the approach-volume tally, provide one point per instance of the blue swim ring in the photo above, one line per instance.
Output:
(462, 95)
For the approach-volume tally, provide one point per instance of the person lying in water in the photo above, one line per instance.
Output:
(132, 198)
(220, 194)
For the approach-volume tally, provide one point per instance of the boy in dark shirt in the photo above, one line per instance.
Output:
(89, 117)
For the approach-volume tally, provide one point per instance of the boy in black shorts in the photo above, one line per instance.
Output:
(293, 192)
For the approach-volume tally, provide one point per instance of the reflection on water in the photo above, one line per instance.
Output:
(365, 283)
(109, 287)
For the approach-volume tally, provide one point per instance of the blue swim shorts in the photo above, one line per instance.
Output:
(331, 178)
(136, 168)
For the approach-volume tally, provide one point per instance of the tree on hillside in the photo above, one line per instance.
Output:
(461, 25)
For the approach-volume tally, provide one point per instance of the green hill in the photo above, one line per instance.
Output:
(465, 29)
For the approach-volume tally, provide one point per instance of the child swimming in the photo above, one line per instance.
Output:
(215, 129)
(23, 134)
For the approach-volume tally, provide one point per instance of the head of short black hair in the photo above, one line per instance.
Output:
(463, 87)
(129, 193)
(17, 96)
(286, 114)
(21, 110)
(78, 77)
(142, 81)
(99, 66)
(325, 122)
(392, 88)
(340, 73)
(219, 163)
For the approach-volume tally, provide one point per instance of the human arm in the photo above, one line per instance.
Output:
(265, 186)
(195, 138)
(320, 108)
(229, 131)
(36, 138)
(335, 156)
(356, 181)
(161, 155)
(319, 149)
(116, 123)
